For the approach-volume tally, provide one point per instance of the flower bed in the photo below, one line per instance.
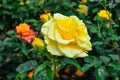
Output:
(59, 40)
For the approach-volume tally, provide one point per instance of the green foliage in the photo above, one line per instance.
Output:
(21, 76)
(42, 76)
(29, 65)
(66, 61)
(41, 67)
(18, 58)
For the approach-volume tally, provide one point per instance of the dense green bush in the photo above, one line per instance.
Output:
(18, 58)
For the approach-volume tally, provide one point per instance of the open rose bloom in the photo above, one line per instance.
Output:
(24, 32)
(66, 36)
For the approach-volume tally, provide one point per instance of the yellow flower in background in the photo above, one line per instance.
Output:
(83, 9)
(119, 19)
(27, 1)
(84, 1)
(22, 2)
(41, 2)
(17, 54)
(0, 5)
(107, 24)
(66, 36)
(104, 14)
(45, 17)
(38, 42)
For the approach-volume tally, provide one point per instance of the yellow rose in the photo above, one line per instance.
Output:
(84, 1)
(104, 14)
(45, 17)
(22, 2)
(38, 42)
(83, 9)
(66, 36)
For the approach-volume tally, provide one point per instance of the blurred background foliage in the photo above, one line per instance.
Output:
(103, 62)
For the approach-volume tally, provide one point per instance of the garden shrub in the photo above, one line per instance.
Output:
(30, 35)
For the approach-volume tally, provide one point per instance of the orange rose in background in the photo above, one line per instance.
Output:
(28, 36)
(24, 32)
(22, 28)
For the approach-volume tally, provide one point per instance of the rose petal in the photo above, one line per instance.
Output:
(45, 27)
(84, 44)
(58, 16)
(71, 50)
(52, 47)
(51, 31)
(59, 38)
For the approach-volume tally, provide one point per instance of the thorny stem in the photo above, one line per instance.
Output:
(105, 1)
(54, 67)
(115, 48)
(48, 56)
(99, 31)
(118, 54)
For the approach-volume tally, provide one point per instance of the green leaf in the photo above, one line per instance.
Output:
(72, 61)
(31, 20)
(10, 32)
(93, 29)
(1, 59)
(115, 37)
(92, 0)
(97, 18)
(114, 57)
(5, 1)
(117, 1)
(21, 76)
(95, 10)
(25, 51)
(104, 59)
(117, 78)
(100, 73)
(97, 43)
(29, 65)
(8, 40)
(42, 75)
(1, 46)
(11, 75)
(41, 67)
(87, 67)
(1, 26)
(24, 48)
(75, 63)
(49, 73)
(115, 65)
(91, 61)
